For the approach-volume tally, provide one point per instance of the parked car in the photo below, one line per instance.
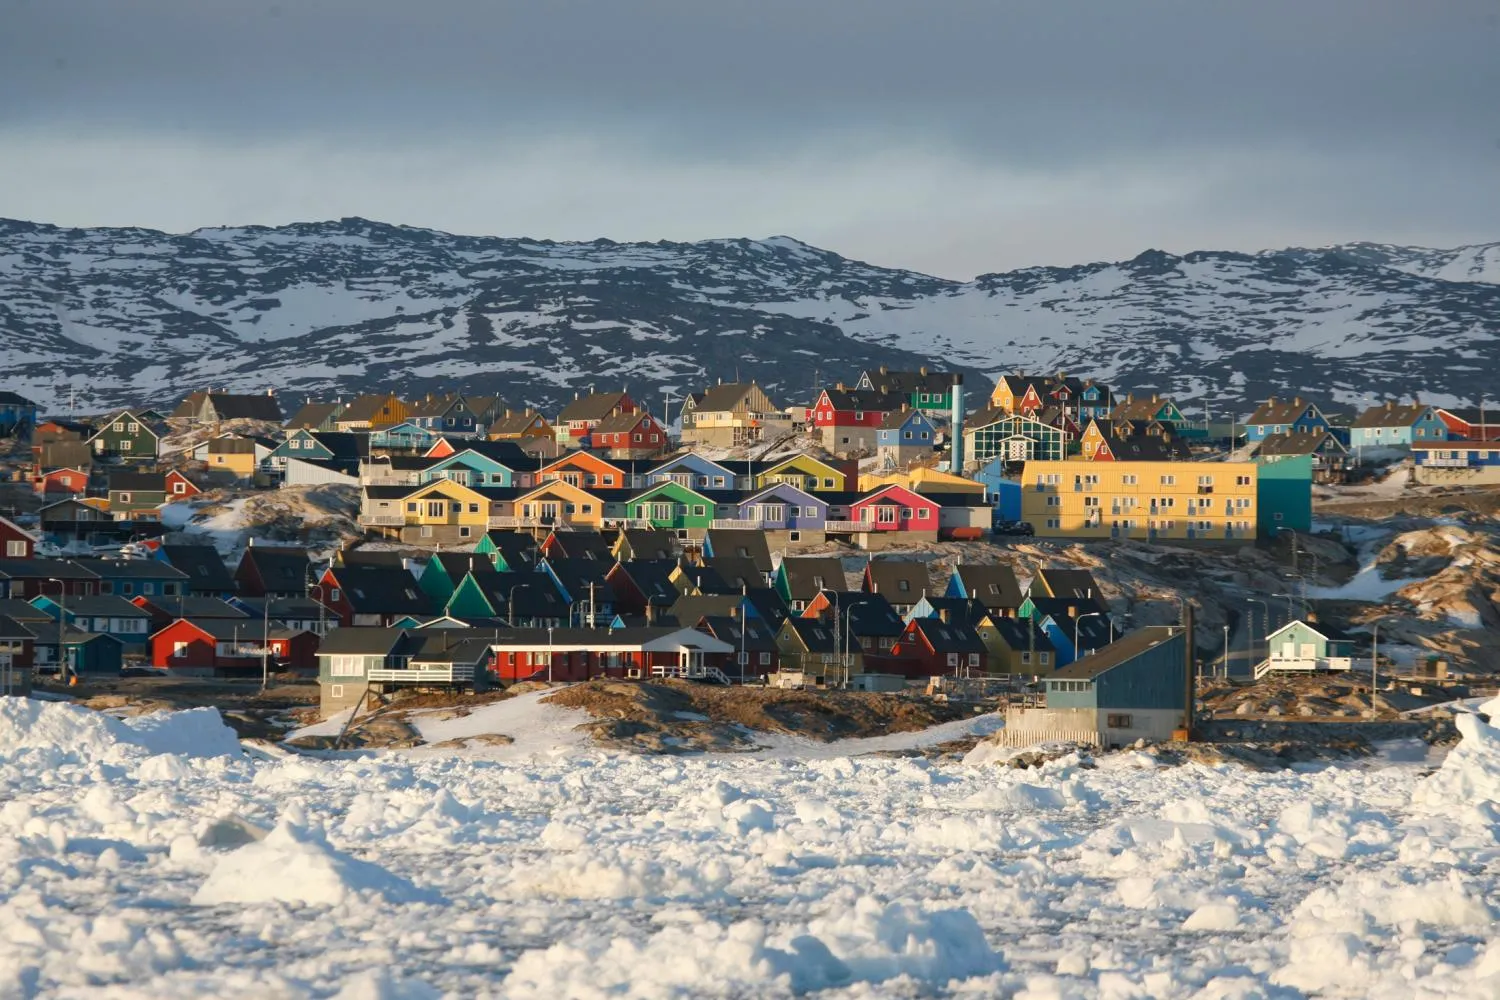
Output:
(1014, 528)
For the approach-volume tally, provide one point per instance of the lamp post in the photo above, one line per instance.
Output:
(510, 602)
(1293, 533)
(549, 654)
(265, 645)
(833, 595)
(62, 617)
(1077, 653)
(1374, 664)
(1226, 652)
(1265, 625)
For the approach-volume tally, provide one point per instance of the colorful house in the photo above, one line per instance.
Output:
(891, 515)
(932, 647)
(442, 512)
(405, 436)
(695, 472)
(732, 414)
(777, 509)
(226, 647)
(585, 469)
(370, 412)
(520, 426)
(126, 435)
(17, 415)
(928, 391)
(584, 413)
(1307, 646)
(846, 420)
(1011, 437)
(15, 541)
(904, 436)
(673, 507)
(1457, 462)
(806, 473)
(629, 435)
(1397, 425)
(131, 493)
(1285, 416)
(469, 467)
(557, 503)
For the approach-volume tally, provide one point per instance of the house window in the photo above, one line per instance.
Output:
(637, 439)
(336, 690)
(1169, 480)
(1117, 720)
(922, 513)
(765, 659)
(15, 549)
(859, 414)
(473, 508)
(125, 446)
(411, 508)
(179, 650)
(179, 488)
(124, 497)
(347, 666)
(698, 510)
(463, 531)
(1052, 522)
(952, 659)
(973, 659)
(1026, 657)
(1242, 480)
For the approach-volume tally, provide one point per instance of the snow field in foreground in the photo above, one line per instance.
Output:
(148, 858)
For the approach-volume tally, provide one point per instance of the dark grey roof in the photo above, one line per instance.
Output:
(807, 575)
(137, 482)
(203, 566)
(949, 637)
(592, 407)
(1391, 414)
(378, 589)
(1121, 651)
(108, 605)
(1068, 583)
(132, 569)
(1022, 633)
(245, 407)
(756, 636)
(1279, 411)
(1297, 444)
(11, 629)
(42, 569)
(194, 607)
(312, 415)
(900, 580)
(818, 636)
(14, 607)
(359, 641)
(992, 584)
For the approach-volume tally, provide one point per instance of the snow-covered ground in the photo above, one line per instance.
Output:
(146, 859)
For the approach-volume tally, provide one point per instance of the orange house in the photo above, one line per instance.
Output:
(580, 468)
(559, 503)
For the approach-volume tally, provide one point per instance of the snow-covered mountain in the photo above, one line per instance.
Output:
(319, 309)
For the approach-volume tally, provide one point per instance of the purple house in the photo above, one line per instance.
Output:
(781, 507)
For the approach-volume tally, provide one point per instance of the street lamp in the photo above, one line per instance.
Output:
(833, 595)
(1077, 622)
(1265, 624)
(549, 654)
(1294, 545)
(1226, 651)
(62, 617)
(511, 603)
(1374, 664)
(1289, 599)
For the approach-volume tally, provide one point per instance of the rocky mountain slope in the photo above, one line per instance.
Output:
(133, 315)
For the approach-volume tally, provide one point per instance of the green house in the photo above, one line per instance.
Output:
(672, 506)
(1309, 645)
(126, 435)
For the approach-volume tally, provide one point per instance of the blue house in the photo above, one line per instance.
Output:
(1093, 632)
(1456, 455)
(1397, 425)
(904, 435)
(1136, 688)
(109, 615)
(470, 468)
(693, 471)
(1284, 416)
(17, 415)
(1095, 401)
(405, 436)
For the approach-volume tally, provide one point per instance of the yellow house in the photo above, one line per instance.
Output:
(558, 503)
(805, 473)
(1191, 501)
(442, 512)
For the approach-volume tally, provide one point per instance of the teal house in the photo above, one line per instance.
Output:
(1283, 495)
(1307, 646)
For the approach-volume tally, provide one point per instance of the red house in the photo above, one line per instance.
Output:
(931, 647)
(629, 435)
(847, 420)
(18, 542)
(62, 482)
(584, 414)
(895, 508)
(1471, 425)
(226, 647)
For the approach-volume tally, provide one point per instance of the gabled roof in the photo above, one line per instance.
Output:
(374, 589)
(580, 543)
(515, 421)
(1327, 631)
(885, 380)
(1065, 607)
(1078, 583)
(98, 606)
(312, 415)
(896, 418)
(866, 614)
(1149, 448)
(650, 543)
(132, 569)
(961, 610)
(137, 482)
(1144, 408)
(8, 398)
(277, 565)
(992, 584)
(902, 580)
(234, 406)
(754, 635)
(948, 637)
(818, 636)
(364, 409)
(507, 453)
(1121, 651)
(864, 400)
(731, 573)
(1302, 443)
(1022, 634)
(186, 606)
(514, 546)
(1094, 631)
(596, 406)
(622, 423)
(1279, 411)
(42, 569)
(22, 611)
(576, 576)
(1391, 414)
(652, 577)
(343, 444)
(12, 630)
(204, 568)
(726, 396)
(740, 543)
(807, 575)
(360, 641)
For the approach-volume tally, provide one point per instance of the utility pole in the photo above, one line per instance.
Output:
(265, 645)
(1226, 652)
(62, 618)
(1374, 665)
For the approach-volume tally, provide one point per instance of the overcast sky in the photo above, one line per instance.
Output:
(952, 137)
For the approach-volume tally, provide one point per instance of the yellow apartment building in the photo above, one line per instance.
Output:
(1187, 501)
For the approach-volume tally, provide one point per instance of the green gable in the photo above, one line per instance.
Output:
(671, 505)
(469, 600)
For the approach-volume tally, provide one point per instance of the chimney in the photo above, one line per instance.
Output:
(922, 370)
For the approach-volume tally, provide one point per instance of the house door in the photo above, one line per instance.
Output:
(549, 510)
(437, 508)
(1309, 651)
(1289, 651)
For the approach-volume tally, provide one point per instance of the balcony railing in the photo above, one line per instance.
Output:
(383, 520)
(846, 526)
(515, 522)
(447, 673)
(731, 522)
